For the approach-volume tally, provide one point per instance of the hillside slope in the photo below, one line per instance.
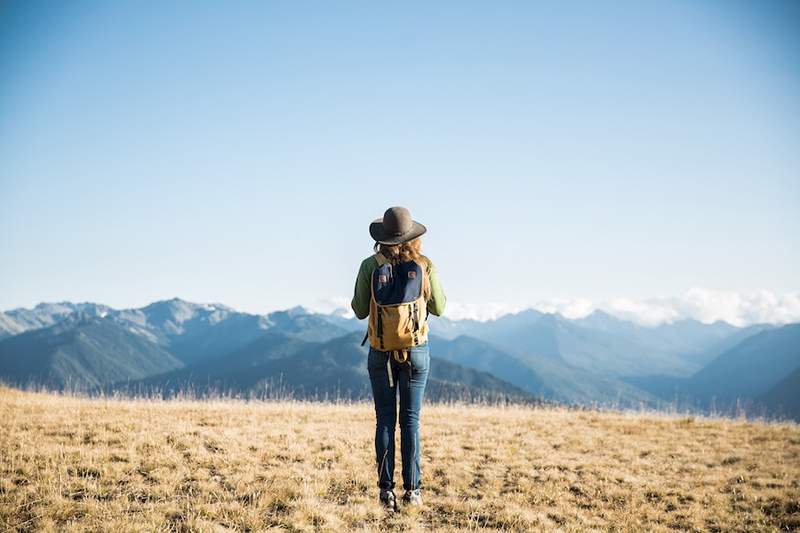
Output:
(783, 399)
(741, 374)
(107, 465)
(280, 365)
(77, 353)
(546, 377)
(751, 367)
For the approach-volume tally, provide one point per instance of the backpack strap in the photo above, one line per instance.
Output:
(414, 316)
(374, 307)
(379, 326)
(426, 281)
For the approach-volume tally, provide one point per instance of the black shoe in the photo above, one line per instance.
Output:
(388, 500)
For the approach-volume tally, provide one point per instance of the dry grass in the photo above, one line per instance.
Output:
(75, 464)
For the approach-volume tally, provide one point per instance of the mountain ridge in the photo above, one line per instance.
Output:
(760, 370)
(596, 360)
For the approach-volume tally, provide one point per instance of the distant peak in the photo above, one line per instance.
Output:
(55, 305)
(599, 313)
(82, 317)
(529, 312)
(342, 312)
(298, 310)
(174, 302)
(552, 318)
(598, 316)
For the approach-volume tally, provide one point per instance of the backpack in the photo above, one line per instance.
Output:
(398, 306)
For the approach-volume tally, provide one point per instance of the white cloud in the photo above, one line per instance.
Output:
(567, 307)
(739, 309)
(646, 312)
(490, 311)
(705, 305)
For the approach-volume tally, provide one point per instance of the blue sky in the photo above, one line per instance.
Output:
(236, 152)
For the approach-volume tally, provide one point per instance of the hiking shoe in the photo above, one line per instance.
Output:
(412, 498)
(388, 500)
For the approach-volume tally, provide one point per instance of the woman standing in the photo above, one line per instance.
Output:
(397, 287)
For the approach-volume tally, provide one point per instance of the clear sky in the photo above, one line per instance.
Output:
(236, 152)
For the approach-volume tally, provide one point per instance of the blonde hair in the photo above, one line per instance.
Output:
(407, 251)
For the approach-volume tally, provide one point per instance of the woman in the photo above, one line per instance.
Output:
(396, 288)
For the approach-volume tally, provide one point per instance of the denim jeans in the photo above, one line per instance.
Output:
(409, 379)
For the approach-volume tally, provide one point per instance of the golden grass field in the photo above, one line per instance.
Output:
(112, 465)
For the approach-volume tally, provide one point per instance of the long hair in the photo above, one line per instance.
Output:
(399, 253)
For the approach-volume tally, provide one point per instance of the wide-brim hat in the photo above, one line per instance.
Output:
(396, 227)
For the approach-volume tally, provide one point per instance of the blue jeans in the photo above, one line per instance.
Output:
(409, 379)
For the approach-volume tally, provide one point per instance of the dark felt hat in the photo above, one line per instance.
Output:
(396, 227)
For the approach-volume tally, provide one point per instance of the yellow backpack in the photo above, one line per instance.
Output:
(398, 306)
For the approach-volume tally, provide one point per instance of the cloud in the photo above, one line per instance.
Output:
(705, 305)
(490, 311)
(739, 309)
(567, 307)
(646, 312)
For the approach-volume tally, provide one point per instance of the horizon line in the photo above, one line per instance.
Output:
(567, 311)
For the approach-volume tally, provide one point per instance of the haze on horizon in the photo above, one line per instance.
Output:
(642, 159)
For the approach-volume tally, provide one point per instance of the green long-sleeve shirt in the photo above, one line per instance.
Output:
(363, 292)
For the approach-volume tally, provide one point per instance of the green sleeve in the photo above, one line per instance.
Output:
(362, 293)
(438, 300)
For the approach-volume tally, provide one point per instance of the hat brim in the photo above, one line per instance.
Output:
(378, 232)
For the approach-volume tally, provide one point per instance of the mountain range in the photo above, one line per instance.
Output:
(171, 346)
